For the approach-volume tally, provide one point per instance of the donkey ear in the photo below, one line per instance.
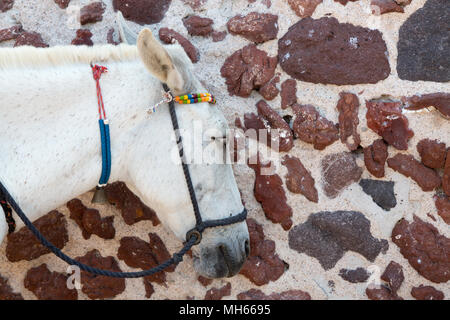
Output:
(158, 61)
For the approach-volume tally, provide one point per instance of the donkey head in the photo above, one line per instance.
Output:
(223, 250)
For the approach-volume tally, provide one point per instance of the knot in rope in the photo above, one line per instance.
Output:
(97, 71)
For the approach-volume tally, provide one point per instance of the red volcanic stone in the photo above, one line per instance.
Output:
(256, 294)
(439, 100)
(92, 12)
(268, 191)
(381, 293)
(218, 293)
(195, 4)
(83, 37)
(142, 11)
(90, 222)
(386, 119)
(132, 208)
(375, 157)
(348, 106)
(424, 247)
(10, 33)
(304, 8)
(288, 93)
(354, 276)
(426, 293)
(326, 51)
(247, 69)
(442, 203)
(47, 285)
(344, 2)
(5, 5)
(275, 121)
(170, 36)
(23, 245)
(100, 287)
(204, 281)
(263, 264)
(62, 3)
(327, 236)
(298, 179)
(393, 275)
(385, 6)
(269, 91)
(432, 153)
(339, 170)
(218, 36)
(30, 39)
(425, 177)
(6, 292)
(256, 27)
(446, 176)
(309, 126)
(198, 26)
(110, 37)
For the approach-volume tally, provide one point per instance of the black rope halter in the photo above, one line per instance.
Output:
(193, 236)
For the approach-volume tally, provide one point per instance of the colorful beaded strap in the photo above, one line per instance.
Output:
(194, 98)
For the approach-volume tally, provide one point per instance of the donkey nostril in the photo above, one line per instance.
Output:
(247, 248)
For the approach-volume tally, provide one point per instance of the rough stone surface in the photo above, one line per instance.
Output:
(10, 33)
(47, 285)
(432, 153)
(132, 208)
(393, 275)
(218, 293)
(423, 44)
(344, 2)
(100, 287)
(425, 177)
(381, 293)
(247, 69)
(62, 3)
(204, 281)
(426, 293)
(309, 126)
(83, 37)
(385, 6)
(327, 236)
(349, 47)
(298, 179)
(339, 170)
(424, 247)
(381, 192)
(288, 93)
(354, 276)
(23, 245)
(256, 27)
(263, 264)
(90, 221)
(348, 106)
(6, 292)
(446, 176)
(268, 191)
(92, 13)
(386, 119)
(170, 36)
(375, 157)
(218, 36)
(6, 5)
(142, 11)
(439, 100)
(269, 91)
(442, 203)
(255, 294)
(195, 4)
(304, 8)
(30, 39)
(110, 38)
(198, 26)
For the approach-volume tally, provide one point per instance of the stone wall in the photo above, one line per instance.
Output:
(361, 187)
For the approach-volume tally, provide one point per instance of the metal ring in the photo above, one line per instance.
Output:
(196, 233)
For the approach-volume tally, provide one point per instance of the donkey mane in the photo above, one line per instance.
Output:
(31, 57)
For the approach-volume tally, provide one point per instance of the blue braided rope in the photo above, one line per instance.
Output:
(104, 156)
(108, 153)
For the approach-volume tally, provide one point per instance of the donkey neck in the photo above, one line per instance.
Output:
(49, 134)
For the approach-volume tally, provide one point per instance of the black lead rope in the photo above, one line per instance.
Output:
(193, 237)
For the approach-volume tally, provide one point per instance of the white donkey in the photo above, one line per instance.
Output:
(49, 138)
